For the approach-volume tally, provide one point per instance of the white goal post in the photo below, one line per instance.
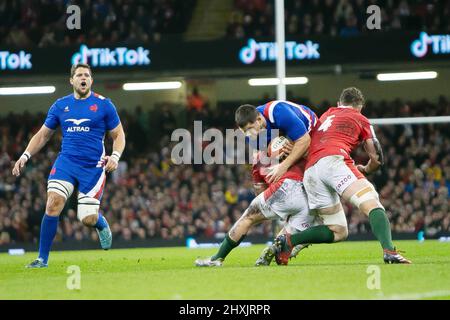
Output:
(409, 120)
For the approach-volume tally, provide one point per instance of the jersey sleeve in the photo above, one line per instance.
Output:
(289, 122)
(367, 131)
(112, 118)
(52, 120)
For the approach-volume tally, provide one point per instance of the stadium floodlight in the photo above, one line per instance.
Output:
(276, 81)
(167, 85)
(264, 82)
(295, 80)
(407, 76)
(26, 90)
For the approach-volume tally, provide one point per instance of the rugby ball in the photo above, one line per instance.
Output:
(275, 147)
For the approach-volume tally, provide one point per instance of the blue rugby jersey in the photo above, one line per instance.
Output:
(293, 120)
(84, 123)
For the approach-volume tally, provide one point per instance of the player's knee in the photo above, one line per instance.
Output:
(252, 215)
(88, 209)
(366, 200)
(368, 206)
(90, 221)
(334, 209)
(340, 233)
(337, 219)
(55, 204)
(245, 221)
(60, 188)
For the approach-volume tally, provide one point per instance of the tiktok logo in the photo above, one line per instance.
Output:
(268, 51)
(112, 57)
(440, 44)
(248, 54)
(15, 61)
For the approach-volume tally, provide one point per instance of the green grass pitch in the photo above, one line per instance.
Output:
(337, 271)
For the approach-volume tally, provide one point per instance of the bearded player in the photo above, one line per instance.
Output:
(84, 118)
(331, 174)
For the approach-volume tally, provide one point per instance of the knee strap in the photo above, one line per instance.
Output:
(335, 219)
(365, 194)
(87, 206)
(61, 187)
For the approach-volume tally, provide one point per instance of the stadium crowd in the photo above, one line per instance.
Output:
(150, 197)
(255, 18)
(42, 23)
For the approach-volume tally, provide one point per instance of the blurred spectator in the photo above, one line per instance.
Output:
(255, 18)
(196, 101)
(43, 22)
(197, 106)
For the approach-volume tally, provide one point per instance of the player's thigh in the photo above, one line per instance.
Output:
(60, 187)
(339, 173)
(91, 181)
(296, 207)
(91, 184)
(61, 179)
(58, 191)
(258, 210)
(289, 198)
(300, 221)
(320, 194)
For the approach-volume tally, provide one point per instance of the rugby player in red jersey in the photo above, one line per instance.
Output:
(331, 173)
(284, 199)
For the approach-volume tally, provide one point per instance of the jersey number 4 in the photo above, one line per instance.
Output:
(327, 123)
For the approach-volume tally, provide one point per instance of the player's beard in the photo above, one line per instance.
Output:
(83, 94)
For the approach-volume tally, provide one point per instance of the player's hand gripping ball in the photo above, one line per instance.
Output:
(279, 148)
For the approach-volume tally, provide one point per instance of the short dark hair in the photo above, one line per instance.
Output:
(79, 65)
(245, 114)
(351, 97)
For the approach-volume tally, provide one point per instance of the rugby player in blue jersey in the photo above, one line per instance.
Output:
(284, 196)
(84, 117)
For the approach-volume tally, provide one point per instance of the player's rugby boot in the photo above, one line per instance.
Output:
(105, 237)
(36, 264)
(266, 257)
(282, 248)
(394, 257)
(207, 262)
(297, 250)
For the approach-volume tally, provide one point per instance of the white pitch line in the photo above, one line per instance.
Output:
(416, 296)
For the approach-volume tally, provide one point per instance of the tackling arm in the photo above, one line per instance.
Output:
(376, 159)
(299, 149)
